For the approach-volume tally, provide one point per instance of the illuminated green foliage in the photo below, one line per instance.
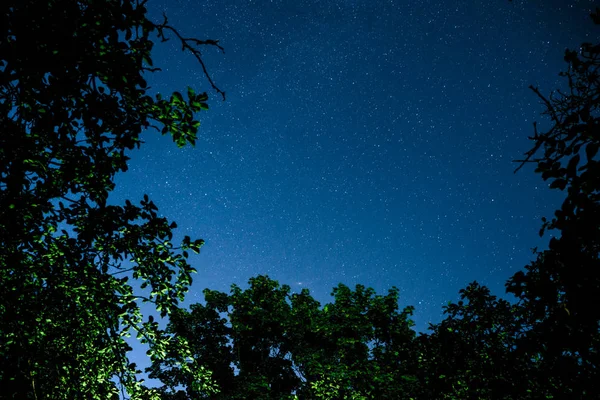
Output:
(268, 343)
(73, 101)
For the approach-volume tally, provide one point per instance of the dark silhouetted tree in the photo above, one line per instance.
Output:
(560, 290)
(546, 344)
(472, 353)
(73, 100)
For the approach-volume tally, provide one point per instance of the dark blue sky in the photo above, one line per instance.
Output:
(362, 141)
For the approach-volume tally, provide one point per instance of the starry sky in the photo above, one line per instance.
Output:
(362, 141)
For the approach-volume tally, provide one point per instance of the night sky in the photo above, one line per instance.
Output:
(362, 141)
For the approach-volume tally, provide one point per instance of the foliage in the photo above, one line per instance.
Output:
(546, 345)
(264, 342)
(473, 353)
(73, 101)
(74, 268)
(561, 287)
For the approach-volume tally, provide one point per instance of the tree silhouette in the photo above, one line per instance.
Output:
(73, 101)
(561, 287)
(547, 344)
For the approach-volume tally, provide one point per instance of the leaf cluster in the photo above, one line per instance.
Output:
(73, 102)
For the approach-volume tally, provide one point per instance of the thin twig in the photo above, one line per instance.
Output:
(531, 152)
(549, 105)
(194, 51)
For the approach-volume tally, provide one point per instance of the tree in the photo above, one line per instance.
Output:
(366, 348)
(73, 101)
(264, 342)
(561, 288)
(473, 352)
(547, 344)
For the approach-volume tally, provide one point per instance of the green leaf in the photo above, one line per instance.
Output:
(148, 60)
(177, 97)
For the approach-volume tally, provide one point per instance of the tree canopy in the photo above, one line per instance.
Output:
(268, 343)
(75, 269)
(560, 288)
(73, 101)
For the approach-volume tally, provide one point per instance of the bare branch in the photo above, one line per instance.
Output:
(549, 105)
(185, 43)
(531, 152)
